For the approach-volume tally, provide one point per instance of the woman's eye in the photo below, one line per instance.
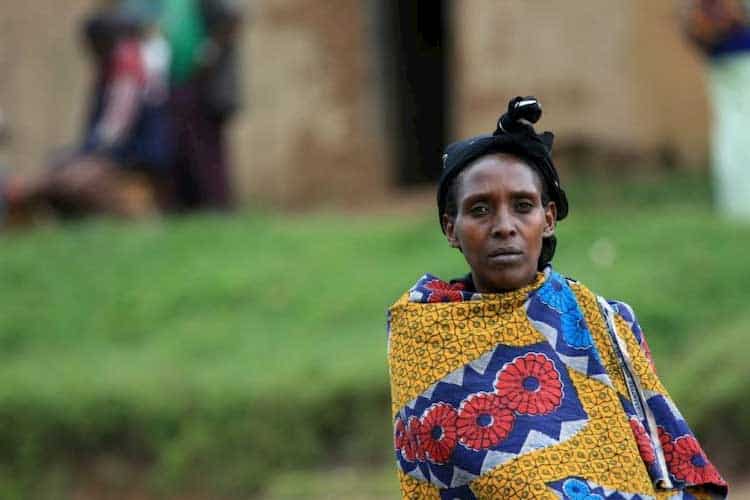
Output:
(479, 210)
(524, 206)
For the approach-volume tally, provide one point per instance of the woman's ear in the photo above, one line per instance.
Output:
(550, 217)
(449, 225)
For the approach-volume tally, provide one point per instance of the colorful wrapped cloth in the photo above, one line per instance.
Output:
(544, 392)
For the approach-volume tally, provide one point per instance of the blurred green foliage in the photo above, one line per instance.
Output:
(219, 352)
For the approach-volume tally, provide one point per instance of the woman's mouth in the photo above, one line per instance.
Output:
(505, 256)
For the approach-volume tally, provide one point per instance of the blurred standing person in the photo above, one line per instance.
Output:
(205, 95)
(721, 29)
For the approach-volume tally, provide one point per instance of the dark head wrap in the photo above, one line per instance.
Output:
(514, 135)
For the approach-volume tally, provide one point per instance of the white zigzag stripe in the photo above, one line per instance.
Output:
(578, 363)
(428, 393)
(537, 440)
(548, 331)
(437, 482)
(603, 378)
(455, 377)
(480, 364)
(495, 458)
(570, 429)
(417, 474)
(461, 477)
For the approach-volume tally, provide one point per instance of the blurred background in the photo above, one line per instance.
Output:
(208, 207)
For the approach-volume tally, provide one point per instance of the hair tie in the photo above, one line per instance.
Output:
(522, 114)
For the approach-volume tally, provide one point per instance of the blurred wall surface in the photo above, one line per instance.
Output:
(43, 77)
(612, 73)
(309, 132)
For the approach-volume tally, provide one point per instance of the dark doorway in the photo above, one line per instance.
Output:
(415, 42)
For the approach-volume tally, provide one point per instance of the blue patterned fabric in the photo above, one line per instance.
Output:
(577, 488)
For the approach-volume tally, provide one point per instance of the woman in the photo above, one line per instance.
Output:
(515, 382)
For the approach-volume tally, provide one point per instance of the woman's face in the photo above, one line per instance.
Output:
(500, 222)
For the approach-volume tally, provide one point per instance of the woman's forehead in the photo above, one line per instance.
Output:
(499, 172)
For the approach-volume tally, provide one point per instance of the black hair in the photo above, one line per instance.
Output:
(104, 27)
(549, 243)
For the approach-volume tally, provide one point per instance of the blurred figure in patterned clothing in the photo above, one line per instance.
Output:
(126, 147)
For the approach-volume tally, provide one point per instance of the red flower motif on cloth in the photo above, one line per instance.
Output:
(437, 432)
(483, 421)
(688, 463)
(399, 434)
(643, 441)
(530, 384)
(440, 291)
(410, 449)
(667, 446)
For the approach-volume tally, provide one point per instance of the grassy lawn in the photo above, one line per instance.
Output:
(226, 353)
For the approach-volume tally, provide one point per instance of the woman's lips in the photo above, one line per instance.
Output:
(506, 256)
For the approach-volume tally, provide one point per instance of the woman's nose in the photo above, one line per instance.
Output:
(503, 225)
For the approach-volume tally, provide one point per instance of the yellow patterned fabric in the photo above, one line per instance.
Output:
(412, 488)
(447, 336)
(545, 392)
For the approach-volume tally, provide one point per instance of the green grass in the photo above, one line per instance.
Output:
(352, 483)
(221, 351)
